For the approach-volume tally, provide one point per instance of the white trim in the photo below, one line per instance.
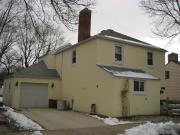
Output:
(122, 54)
(139, 92)
(150, 66)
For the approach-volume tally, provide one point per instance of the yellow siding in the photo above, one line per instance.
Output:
(8, 91)
(81, 81)
(147, 103)
(53, 93)
(49, 61)
(133, 57)
(85, 83)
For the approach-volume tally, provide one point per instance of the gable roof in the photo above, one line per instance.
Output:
(38, 70)
(113, 36)
(127, 72)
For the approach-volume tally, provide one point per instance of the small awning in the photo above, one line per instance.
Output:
(127, 72)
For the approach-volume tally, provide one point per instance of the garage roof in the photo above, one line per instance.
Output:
(38, 70)
(127, 72)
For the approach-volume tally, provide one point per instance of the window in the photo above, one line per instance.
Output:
(138, 86)
(118, 53)
(150, 58)
(73, 56)
(167, 75)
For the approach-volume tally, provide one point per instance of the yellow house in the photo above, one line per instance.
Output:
(109, 74)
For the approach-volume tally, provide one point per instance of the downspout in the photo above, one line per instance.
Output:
(61, 65)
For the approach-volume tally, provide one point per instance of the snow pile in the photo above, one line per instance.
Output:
(168, 128)
(37, 133)
(1, 99)
(21, 121)
(131, 74)
(111, 121)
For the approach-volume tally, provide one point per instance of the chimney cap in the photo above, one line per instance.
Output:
(85, 9)
(173, 57)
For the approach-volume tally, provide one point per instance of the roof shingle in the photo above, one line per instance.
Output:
(38, 70)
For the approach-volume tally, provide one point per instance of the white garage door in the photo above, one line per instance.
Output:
(34, 95)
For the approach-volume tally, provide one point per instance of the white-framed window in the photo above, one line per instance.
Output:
(73, 56)
(118, 53)
(139, 86)
(149, 58)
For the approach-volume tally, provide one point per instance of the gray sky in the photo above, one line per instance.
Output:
(126, 17)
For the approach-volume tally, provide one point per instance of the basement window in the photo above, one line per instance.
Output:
(118, 53)
(138, 86)
(150, 58)
(73, 56)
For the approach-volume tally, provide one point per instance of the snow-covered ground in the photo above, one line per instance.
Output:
(168, 128)
(37, 133)
(111, 121)
(21, 121)
(1, 99)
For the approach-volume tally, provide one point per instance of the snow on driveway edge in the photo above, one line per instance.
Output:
(112, 121)
(21, 121)
(168, 128)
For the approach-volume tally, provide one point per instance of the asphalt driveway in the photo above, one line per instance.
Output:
(52, 119)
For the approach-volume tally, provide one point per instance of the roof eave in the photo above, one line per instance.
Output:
(135, 78)
(122, 41)
(37, 77)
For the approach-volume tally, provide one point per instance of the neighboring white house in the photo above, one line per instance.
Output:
(172, 77)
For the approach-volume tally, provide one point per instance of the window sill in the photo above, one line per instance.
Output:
(139, 93)
(150, 66)
(73, 64)
(118, 62)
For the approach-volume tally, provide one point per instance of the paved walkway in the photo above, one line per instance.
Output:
(52, 119)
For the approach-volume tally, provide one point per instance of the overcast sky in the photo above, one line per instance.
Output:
(126, 17)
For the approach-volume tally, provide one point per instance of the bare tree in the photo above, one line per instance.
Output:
(32, 45)
(166, 14)
(35, 23)
(11, 62)
(7, 39)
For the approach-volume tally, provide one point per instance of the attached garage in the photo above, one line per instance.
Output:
(34, 95)
(32, 87)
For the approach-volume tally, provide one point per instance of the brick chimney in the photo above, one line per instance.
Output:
(84, 29)
(173, 57)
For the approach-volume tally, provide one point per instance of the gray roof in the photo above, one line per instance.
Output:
(124, 38)
(38, 70)
(62, 48)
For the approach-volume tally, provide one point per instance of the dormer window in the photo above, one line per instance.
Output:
(73, 56)
(118, 53)
(150, 58)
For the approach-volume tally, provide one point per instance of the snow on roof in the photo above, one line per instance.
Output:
(131, 74)
(133, 42)
(111, 34)
(127, 72)
(62, 48)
